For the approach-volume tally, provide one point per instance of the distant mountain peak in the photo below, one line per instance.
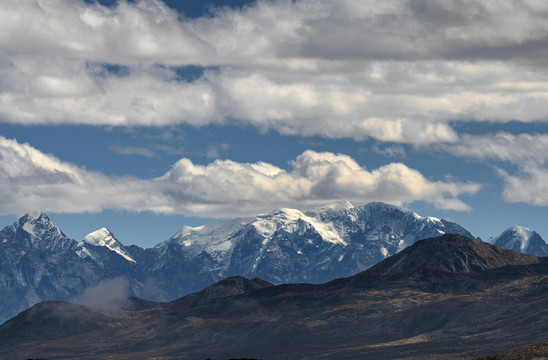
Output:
(522, 239)
(36, 230)
(36, 216)
(103, 237)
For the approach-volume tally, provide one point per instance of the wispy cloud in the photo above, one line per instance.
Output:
(521, 149)
(32, 180)
(149, 151)
(396, 71)
(215, 151)
(393, 151)
(132, 150)
(527, 152)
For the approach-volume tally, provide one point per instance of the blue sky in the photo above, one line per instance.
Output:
(145, 116)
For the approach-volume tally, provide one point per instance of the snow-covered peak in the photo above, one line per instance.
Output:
(214, 236)
(515, 237)
(103, 237)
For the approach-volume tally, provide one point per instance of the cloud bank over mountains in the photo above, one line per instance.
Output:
(223, 188)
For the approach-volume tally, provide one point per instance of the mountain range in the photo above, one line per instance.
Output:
(448, 297)
(39, 262)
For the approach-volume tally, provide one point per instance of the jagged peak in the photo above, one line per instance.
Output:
(36, 230)
(34, 217)
(104, 237)
(36, 224)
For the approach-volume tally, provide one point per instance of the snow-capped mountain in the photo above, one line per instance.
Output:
(38, 262)
(288, 245)
(522, 239)
(34, 231)
(103, 237)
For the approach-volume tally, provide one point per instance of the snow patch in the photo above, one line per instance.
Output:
(83, 252)
(28, 227)
(288, 220)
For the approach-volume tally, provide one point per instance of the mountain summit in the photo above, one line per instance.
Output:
(103, 237)
(34, 231)
(522, 239)
(288, 245)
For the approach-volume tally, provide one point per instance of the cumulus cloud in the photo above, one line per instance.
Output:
(396, 71)
(32, 180)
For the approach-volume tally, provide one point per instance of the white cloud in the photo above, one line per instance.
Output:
(32, 180)
(531, 186)
(396, 71)
(529, 153)
(522, 149)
